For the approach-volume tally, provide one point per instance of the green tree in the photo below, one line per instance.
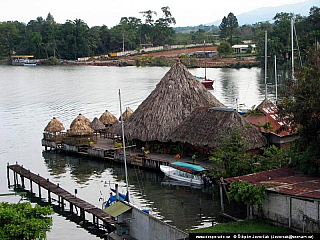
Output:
(232, 156)
(22, 221)
(229, 27)
(301, 102)
(10, 37)
(224, 48)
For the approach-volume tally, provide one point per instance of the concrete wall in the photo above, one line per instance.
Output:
(299, 213)
(144, 226)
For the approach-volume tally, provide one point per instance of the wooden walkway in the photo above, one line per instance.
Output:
(63, 195)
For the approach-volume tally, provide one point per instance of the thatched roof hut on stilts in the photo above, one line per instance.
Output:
(126, 114)
(169, 104)
(108, 119)
(82, 118)
(97, 125)
(207, 128)
(80, 133)
(53, 135)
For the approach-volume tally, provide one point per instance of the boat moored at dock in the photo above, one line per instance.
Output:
(184, 172)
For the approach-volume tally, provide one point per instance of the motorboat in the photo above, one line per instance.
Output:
(184, 172)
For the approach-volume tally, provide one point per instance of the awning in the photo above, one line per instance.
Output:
(117, 209)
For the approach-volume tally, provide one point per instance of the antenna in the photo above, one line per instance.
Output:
(276, 77)
(265, 63)
(292, 55)
(124, 147)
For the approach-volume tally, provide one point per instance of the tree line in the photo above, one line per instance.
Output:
(44, 37)
(72, 39)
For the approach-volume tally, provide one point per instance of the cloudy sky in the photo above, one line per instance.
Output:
(99, 12)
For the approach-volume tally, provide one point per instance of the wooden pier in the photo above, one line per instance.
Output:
(75, 203)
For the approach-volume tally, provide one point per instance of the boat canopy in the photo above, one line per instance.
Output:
(187, 167)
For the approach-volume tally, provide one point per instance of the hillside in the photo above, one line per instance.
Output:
(268, 13)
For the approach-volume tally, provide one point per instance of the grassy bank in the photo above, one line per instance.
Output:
(247, 226)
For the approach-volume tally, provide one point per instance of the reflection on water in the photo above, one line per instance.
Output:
(30, 97)
(181, 206)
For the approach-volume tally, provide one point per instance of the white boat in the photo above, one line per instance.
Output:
(184, 172)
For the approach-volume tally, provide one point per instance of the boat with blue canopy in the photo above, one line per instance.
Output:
(185, 172)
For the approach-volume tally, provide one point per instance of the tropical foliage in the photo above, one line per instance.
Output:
(244, 192)
(72, 39)
(22, 221)
(302, 103)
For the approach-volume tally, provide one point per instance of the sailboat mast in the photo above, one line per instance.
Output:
(205, 60)
(292, 55)
(265, 63)
(276, 77)
(124, 146)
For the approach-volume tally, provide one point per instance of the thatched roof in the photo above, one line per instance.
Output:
(265, 104)
(54, 126)
(208, 127)
(108, 118)
(174, 98)
(82, 118)
(96, 124)
(80, 128)
(126, 114)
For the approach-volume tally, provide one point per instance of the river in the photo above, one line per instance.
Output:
(31, 96)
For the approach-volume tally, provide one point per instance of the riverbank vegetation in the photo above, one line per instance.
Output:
(22, 221)
(44, 38)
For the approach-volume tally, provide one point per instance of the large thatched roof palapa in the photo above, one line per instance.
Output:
(80, 128)
(96, 124)
(82, 118)
(54, 126)
(108, 118)
(174, 98)
(208, 127)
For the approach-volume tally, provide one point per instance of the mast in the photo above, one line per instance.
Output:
(205, 60)
(124, 147)
(292, 55)
(265, 63)
(276, 77)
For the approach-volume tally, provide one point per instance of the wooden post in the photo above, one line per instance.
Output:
(22, 181)
(14, 179)
(49, 196)
(290, 215)
(71, 207)
(39, 190)
(8, 175)
(30, 185)
(62, 203)
(221, 196)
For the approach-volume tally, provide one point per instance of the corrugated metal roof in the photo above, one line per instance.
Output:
(117, 209)
(271, 114)
(285, 181)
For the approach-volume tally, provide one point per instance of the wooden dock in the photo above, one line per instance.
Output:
(75, 203)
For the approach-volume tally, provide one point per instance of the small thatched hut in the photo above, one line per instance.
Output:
(108, 119)
(80, 128)
(126, 114)
(82, 118)
(54, 126)
(96, 125)
(174, 98)
(208, 127)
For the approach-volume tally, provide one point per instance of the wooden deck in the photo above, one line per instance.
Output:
(62, 194)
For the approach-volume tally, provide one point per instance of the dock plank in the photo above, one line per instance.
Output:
(59, 191)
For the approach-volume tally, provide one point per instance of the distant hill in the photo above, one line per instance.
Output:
(268, 13)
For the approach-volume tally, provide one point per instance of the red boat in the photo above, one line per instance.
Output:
(206, 82)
